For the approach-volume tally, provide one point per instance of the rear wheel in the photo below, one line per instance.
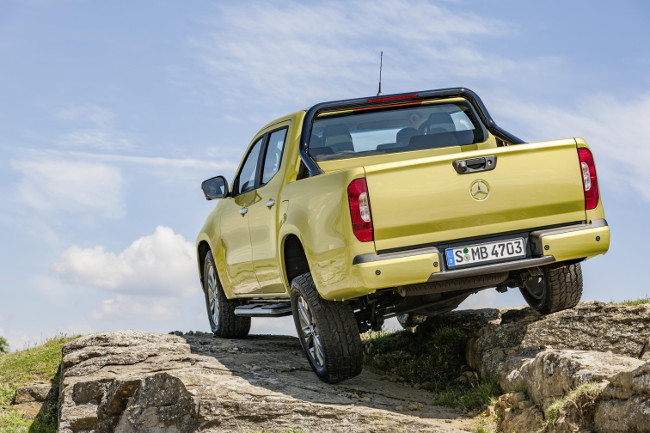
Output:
(221, 310)
(327, 331)
(559, 288)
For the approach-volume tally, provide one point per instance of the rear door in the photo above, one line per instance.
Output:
(429, 200)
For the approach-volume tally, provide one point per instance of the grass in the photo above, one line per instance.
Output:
(485, 426)
(36, 364)
(585, 393)
(12, 421)
(431, 359)
(522, 388)
(630, 303)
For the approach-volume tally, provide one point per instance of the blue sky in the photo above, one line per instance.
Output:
(112, 113)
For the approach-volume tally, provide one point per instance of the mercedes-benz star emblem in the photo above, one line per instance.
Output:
(479, 189)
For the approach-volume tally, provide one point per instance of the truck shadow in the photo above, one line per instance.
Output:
(277, 364)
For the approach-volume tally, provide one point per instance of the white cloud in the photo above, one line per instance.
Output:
(94, 128)
(614, 128)
(98, 116)
(64, 185)
(160, 264)
(94, 138)
(159, 162)
(295, 52)
(185, 171)
(159, 309)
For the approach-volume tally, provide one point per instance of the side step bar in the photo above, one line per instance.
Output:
(264, 310)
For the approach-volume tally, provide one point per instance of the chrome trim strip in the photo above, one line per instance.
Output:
(594, 224)
(491, 269)
(372, 257)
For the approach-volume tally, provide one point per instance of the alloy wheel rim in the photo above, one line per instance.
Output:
(213, 298)
(309, 334)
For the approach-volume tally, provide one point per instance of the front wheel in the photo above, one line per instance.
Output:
(559, 288)
(221, 310)
(328, 332)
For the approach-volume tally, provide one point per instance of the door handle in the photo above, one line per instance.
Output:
(270, 203)
(243, 211)
(475, 165)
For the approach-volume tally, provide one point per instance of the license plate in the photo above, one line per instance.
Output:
(484, 253)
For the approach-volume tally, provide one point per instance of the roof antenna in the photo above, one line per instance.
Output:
(381, 64)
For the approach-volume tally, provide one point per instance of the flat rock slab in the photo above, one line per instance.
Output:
(132, 381)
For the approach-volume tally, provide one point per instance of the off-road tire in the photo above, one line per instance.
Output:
(227, 325)
(334, 323)
(559, 288)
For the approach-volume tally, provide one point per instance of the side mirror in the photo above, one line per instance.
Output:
(216, 187)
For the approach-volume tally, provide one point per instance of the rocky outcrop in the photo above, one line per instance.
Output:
(626, 402)
(35, 398)
(549, 356)
(133, 381)
(514, 412)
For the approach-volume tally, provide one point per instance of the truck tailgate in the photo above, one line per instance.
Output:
(426, 200)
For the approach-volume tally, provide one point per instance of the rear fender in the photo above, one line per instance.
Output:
(317, 212)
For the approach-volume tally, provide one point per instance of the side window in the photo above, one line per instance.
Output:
(461, 121)
(273, 156)
(249, 169)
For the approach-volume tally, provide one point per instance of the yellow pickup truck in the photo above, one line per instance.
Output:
(354, 211)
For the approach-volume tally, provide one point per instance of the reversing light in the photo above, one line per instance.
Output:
(360, 210)
(589, 179)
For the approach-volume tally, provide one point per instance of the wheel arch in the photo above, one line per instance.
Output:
(294, 261)
(202, 250)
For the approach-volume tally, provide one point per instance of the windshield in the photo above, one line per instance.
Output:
(361, 133)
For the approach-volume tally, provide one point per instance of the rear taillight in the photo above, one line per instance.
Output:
(589, 179)
(360, 210)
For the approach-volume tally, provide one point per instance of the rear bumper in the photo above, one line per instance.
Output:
(573, 242)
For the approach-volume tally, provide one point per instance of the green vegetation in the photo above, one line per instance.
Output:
(522, 388)
(485, 426)
(433, 359)
(39, 363)
(639, 301)
(583, 395)
(4, 346)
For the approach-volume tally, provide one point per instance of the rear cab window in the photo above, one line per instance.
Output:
(426, 125)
